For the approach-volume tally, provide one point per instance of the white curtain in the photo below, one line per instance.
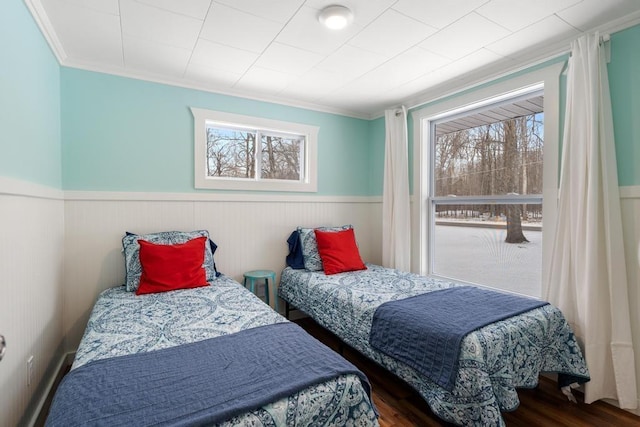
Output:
(396, 228)
(588, 279)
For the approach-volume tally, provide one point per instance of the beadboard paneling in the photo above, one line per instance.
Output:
(249, 234)
(630, 205)
(31, 306)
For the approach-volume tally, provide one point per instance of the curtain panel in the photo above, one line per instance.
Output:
(587, 279)
(396, 224)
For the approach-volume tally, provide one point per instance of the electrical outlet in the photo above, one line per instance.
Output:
(30, 372)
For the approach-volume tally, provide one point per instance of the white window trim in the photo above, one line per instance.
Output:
(550, 77)
(202, 181)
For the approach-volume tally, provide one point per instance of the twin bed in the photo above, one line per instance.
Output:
(214, 354)
(207, 355)
(491, 361)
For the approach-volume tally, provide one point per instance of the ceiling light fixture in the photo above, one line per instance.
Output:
(335, 17)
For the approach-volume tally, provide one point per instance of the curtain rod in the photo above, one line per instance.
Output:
(603, 41)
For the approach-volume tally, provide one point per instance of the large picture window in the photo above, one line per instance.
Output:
(486, 169)
(247, 153)
(487, 195)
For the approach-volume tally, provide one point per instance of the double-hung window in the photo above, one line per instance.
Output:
(487, 169)
(236, 152)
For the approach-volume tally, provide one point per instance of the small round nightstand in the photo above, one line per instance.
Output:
(252, 277)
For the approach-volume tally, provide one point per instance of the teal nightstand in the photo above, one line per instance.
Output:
(254, 276)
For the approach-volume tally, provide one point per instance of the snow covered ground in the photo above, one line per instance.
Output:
(480, 255)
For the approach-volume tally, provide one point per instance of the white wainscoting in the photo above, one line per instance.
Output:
(31, 305)
(250, 232)
(630, 205)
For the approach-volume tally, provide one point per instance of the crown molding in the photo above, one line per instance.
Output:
(39, 15)
(188, 84)
(151, 78)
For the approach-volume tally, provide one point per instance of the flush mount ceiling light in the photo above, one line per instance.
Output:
(335, 17)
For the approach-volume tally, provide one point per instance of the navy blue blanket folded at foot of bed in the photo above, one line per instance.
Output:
(200, 383)
(425, 331)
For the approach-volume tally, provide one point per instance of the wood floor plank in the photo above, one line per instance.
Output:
(399, 405)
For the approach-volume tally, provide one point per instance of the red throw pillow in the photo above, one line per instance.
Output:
(338, 251)
(170, 267)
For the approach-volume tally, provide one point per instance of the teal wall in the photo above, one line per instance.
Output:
(624, 83)
(376, 148)
(81, 130)
(30, 147)
(121, 134)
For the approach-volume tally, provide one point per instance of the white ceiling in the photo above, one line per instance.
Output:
(396, 51)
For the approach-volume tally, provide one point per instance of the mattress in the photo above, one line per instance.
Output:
(493, 361)
(122, 323)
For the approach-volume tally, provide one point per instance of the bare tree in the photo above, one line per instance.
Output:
(492, 159)
(269, 167)
(247, 154)
(219, 155)
(448, 150)
(281, 157)
(514, 219)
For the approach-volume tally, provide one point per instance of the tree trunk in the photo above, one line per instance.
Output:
(514, 222)
(524, 138)
(514, 225)
(250, 168)
(272, 161)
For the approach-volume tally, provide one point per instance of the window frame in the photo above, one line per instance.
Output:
(203, 117)
(422, 215)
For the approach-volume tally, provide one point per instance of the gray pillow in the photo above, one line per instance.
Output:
(310, 255)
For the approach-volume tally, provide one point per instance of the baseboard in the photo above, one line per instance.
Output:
(615, 403)
(39, 413)
(612, 402)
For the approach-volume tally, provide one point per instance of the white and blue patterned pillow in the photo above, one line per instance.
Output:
(310, 255)
(131, 249)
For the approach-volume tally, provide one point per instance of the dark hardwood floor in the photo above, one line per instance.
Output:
(399, 405)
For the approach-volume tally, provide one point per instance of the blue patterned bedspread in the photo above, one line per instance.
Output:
(493, 360)
(425, 331)
(122, 323)
(200, 383)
